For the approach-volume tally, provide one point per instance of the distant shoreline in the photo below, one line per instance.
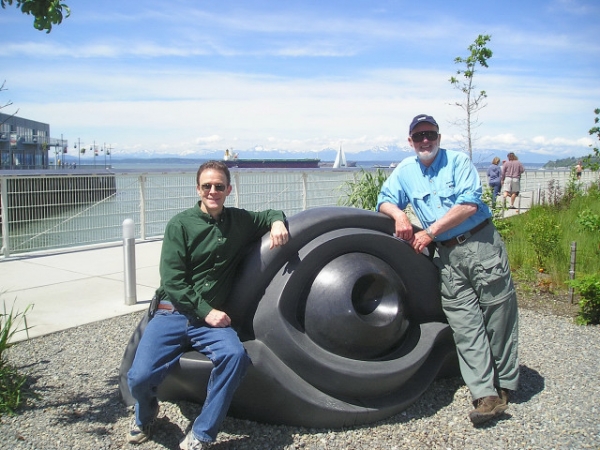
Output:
(185, 163)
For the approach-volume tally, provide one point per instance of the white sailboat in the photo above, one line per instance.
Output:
(340, 159)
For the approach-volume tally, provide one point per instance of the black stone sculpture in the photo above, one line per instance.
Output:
(343, 324)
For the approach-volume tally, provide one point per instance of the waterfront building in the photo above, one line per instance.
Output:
(25, 143)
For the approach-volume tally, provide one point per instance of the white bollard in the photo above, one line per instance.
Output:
(129, 261)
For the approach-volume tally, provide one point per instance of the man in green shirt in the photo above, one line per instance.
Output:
(201, 250)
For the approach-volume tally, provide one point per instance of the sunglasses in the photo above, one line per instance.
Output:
(208, 187)
(421, 135)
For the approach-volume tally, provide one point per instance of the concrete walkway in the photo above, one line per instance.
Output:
(74, 288)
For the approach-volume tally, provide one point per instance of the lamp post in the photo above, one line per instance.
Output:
(79, 151)
(55, 155)
(110, 156)
(62, 151)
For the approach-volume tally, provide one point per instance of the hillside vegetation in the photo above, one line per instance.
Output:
(567, 163)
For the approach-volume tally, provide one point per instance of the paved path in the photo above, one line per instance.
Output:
(77, 287)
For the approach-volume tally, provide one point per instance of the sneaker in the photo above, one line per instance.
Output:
(137, 434)
(487, 408)
(190, 442)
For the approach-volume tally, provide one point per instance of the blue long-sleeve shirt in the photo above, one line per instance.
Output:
(493, 174)
(450, 180)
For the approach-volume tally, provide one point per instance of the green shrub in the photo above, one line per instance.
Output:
(544, 234)
(572, 189)
(589, 305)
(498, 208)
(11, 382)
(553, 195)
(364, 192)
(594, 190)
(11, 388)
(588, 220)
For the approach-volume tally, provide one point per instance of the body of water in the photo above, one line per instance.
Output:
(174, 164)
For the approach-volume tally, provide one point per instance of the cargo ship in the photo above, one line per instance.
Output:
(232, 161)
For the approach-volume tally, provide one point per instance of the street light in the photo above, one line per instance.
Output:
(109, 151)
(78, 147)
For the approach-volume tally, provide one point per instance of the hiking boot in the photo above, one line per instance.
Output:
(504, 395)
(190, 442)
(487, 408)
(137, 434)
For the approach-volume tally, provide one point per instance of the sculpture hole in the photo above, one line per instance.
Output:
(374, 299)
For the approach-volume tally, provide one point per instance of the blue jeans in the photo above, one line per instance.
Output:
(166, 337)
(495, 187)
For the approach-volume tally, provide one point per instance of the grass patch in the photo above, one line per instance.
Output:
(541, 239)
(11, 381)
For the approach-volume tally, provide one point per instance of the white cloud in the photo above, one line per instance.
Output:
(182, 76)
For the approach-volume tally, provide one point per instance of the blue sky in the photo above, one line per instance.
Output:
(192, 76)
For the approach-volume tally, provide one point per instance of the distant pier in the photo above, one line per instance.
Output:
(34, 195)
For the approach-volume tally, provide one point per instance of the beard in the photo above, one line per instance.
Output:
(428, 156)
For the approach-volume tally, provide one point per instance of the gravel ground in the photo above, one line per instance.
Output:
(74, 375)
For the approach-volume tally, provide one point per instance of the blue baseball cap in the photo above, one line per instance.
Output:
(421, 118)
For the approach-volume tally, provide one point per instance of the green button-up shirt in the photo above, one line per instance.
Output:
(200, 255)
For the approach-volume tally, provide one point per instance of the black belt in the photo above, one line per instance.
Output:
(167, 306)
(463, 237)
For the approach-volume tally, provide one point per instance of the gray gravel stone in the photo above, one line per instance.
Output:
(74, 375)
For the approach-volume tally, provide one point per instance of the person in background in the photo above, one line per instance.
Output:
(578, 169)
(478, 294)
(511, 178)
(494, 179)
(201, 249)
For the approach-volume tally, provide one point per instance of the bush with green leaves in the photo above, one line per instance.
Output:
(589, 221)
(594, 190)
(553, 195)
(11, 381)
(363, 193)
(589, 305)
(573, 188)
(498, 209)
(544, 234)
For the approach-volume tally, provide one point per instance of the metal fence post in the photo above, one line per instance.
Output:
(142, 181)
(236, 189)
(572, 269)
(129, 261)
(304, 191)
(5, 217)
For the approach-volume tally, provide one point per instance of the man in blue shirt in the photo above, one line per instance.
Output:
(478, 295)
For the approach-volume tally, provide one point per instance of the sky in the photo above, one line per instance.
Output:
(194, 76)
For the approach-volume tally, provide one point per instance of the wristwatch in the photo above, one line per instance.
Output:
(429, 233)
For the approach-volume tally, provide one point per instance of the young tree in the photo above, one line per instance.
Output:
(45, 12)
(592, 161)
(8, 103)
(473, 101)
(2, 88)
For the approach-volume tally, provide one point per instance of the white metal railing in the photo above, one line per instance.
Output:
(86, 210)
(63, 220)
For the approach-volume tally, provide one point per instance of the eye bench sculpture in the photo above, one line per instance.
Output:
(343, 324)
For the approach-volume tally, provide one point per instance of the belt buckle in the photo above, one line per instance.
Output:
(461, 238)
